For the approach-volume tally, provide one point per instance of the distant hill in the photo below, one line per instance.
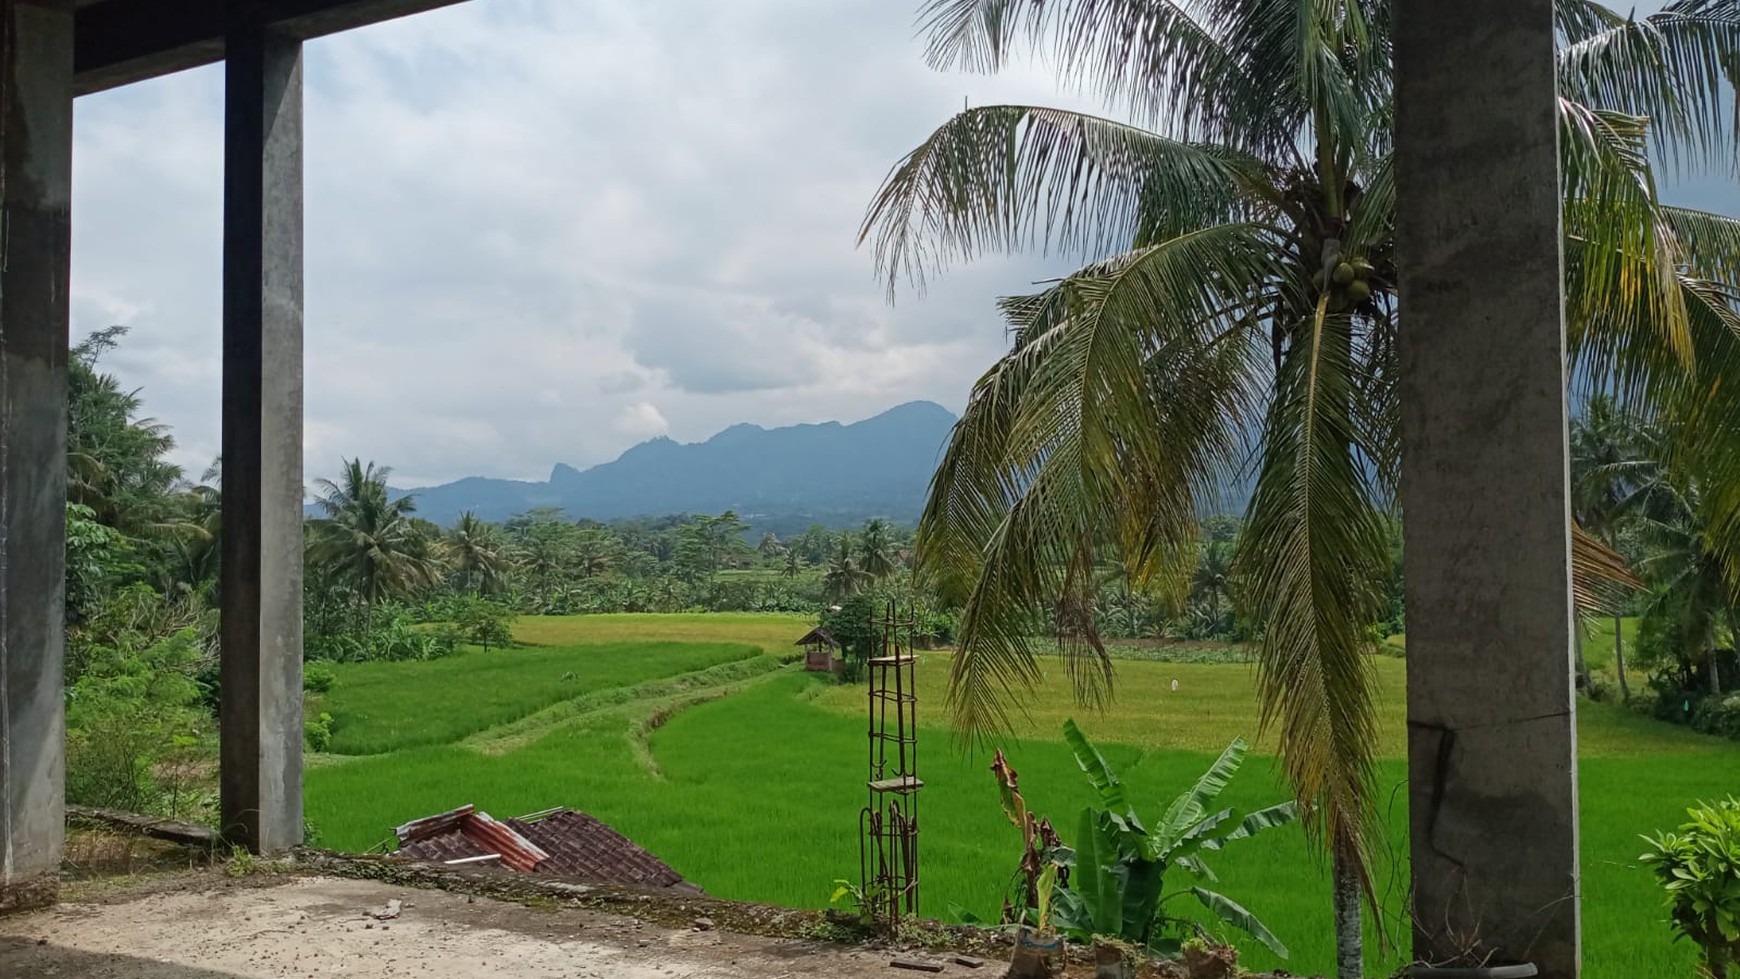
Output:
(780, 479)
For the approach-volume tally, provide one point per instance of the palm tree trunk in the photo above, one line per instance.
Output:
(1733, 643)
(1349, 935)
(1715, 672)
(1582, 663)
(1619, 656)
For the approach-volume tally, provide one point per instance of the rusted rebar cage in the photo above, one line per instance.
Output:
(888, 826)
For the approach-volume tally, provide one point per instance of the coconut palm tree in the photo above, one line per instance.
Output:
(1694, 581)
(1211, 584)
(194, 554)
(1693, 592)
(844, 577)
(1241, 278)
(1604, 439)
(595, 551)
(367, 540)
(478, 555)
(873, 550)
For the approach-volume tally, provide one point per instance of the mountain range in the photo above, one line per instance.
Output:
(779, 479)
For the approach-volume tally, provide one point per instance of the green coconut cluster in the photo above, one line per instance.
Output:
(1348, 284)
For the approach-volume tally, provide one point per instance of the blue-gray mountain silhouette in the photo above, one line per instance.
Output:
(779, 479)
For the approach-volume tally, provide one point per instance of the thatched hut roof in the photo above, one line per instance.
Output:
(818, 637)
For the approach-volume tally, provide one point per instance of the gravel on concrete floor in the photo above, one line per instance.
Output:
(319, 927)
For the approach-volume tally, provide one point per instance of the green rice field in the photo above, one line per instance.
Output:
(752, 786)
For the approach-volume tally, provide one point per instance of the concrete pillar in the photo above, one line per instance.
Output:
(1491, 723)
(261, 585)
(36, 74)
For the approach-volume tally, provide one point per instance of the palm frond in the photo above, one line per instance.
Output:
(1312, 558)
(1097, 432)
(1159, 60)
(1012, 177)
(1628, 255)
(1579, 20)
(1709, 244)
(1678, 67)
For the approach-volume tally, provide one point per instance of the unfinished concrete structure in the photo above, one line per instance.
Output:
(1492, 735)
(1492, 747)
(51, 51)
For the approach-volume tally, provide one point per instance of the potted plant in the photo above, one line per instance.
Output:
(1038, 948)
(1209, 960)
(1115, 958)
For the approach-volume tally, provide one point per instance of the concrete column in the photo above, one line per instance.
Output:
(36, 73)
(1492, 744)
(261, 585)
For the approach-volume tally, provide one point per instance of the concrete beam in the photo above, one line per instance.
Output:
(36, 43)
(1491, 724)
(124, 41)
(260, 588)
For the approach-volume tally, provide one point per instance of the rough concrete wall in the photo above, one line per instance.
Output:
(261, 580)
(1491, 725)
(35, 253)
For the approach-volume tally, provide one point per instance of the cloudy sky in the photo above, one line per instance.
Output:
(540, 231)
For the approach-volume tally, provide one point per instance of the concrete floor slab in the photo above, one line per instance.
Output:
(210, 927)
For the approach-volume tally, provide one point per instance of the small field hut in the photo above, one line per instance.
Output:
(821, 651)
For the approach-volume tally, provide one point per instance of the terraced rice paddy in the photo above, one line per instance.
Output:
(747, 777)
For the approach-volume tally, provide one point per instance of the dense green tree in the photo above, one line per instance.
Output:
(1243, 270)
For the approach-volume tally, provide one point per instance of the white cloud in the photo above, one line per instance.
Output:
(642, 420)
(539, 230)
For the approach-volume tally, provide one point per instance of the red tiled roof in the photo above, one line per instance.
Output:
(561, 841)
(582, 846)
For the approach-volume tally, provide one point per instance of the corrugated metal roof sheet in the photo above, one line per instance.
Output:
(555, 841)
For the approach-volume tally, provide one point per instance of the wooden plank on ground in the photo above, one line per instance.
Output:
(171, 830)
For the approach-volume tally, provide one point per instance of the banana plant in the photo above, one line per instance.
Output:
(1119, 864)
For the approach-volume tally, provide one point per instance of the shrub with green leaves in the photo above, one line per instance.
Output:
(318, 677)
(317, 731)
(1118, 864)
(1699, 868)
(133, 705)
